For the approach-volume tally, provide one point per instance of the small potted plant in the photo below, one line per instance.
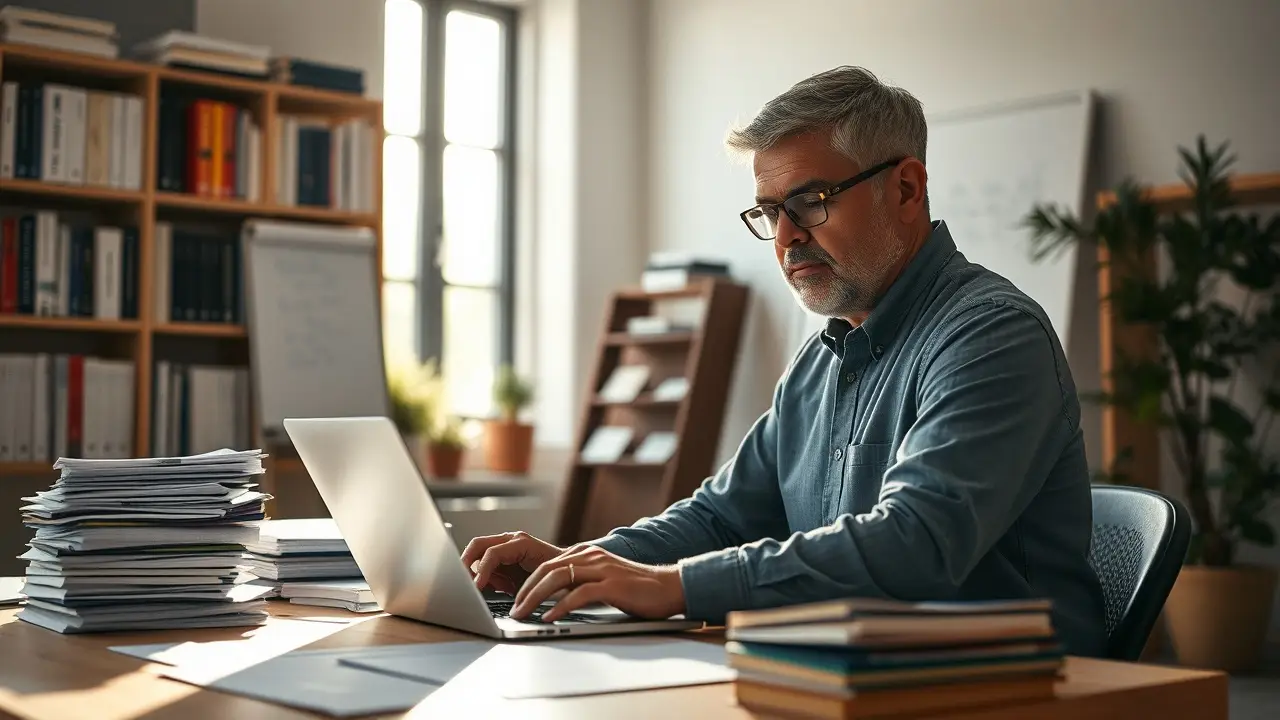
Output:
(445, 447)
(408, 404)
(508, 443)
(418, 410)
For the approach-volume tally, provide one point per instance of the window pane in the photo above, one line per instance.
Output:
(472, 79)
(401, 207)
(470, 353)
(399, 322)
(402, 68)
(470, 216)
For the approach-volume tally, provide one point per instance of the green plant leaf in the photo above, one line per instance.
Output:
(1257, 532)
(1228, 420)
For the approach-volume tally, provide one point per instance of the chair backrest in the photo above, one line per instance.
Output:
(1140, 540)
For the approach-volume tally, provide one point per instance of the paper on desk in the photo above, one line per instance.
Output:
(313, 680)
(564, 668)
(10, 588)
(431, 662)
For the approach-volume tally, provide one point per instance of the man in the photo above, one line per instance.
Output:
(924, 446)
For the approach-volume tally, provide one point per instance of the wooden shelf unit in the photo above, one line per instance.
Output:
(1120, 431)
(265, 100)
(601, 496)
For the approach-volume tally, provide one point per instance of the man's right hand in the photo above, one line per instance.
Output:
(503, 562)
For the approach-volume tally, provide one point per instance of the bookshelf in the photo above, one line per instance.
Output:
(602, 495)
(146, 339)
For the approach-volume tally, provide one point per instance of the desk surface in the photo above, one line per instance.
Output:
(46, 675)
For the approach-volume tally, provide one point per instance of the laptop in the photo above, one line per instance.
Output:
(385, 512)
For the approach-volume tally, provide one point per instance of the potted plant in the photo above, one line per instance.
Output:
(418, 410)
(508, 443)
(1219, 609)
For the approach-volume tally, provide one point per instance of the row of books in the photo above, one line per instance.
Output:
(197, 276)
(55, 406)
(199, 408)
(325, 165)
(64, 134)
(209, 148)
(60, 269)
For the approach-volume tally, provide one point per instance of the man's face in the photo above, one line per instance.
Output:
(838, 268)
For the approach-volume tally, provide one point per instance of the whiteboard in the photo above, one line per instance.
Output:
(314, 325)
(987, 167)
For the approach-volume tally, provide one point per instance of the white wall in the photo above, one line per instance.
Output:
(1166, 70)
(342, 32)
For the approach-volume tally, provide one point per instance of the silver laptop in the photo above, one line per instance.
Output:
(384, 511)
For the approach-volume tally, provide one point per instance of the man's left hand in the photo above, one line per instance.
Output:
(599, 576)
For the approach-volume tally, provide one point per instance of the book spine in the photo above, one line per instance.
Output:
(230, 127)
(97, 163)
(76, 109)
(207, 269)
(117, 135)
(9, 281)
(64, 270)
(226, 263)
(8, 422)
(22, 135)
(161, 271)
(106, 262)
(133, 142)
(46, 293)
(253, 173)
(27, 265)
(237, 283)
(129, 274)
(87, 281)
(8, 128)
(306, 167)
(200, 148)
(40, 424)
(60, 408)
(23, 409)
(217, 164)
(53, 135)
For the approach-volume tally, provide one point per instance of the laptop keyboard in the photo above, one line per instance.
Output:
(502, 609)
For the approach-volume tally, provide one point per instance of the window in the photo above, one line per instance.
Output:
(447, 191)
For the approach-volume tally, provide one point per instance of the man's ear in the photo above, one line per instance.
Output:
(911, 189)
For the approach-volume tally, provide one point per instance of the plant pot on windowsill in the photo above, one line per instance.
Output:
(1218, 617)
(444, 461)
(508, 446)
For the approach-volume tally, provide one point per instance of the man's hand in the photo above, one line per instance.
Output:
(503, 562)
(598, 576)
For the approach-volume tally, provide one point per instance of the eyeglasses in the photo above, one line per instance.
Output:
(806, 210)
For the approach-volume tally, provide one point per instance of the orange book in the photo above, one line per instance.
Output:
(216, 169)
(200, 147)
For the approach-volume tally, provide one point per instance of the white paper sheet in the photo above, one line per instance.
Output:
(9, 590)
(430, 662)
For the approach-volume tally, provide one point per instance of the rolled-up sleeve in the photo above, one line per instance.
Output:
(989, 402)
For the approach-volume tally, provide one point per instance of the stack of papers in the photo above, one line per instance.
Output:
(301, 549)
(144, 544)
(354, 595)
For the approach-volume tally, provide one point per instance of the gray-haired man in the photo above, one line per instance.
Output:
(924, 446)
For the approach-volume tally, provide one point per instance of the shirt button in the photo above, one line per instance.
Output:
(838, 454)
(851, 378)
(879, 349)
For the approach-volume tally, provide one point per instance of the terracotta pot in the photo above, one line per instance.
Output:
(508, 446)
(444, 462)
(1218, 617)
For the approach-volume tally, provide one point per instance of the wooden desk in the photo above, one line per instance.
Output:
(45, 675)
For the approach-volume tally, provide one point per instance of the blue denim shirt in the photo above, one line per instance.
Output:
(932, 453)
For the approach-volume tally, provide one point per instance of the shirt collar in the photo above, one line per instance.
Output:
(886, 319)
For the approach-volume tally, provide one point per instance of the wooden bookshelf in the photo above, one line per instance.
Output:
(600, 496)
(136, 339)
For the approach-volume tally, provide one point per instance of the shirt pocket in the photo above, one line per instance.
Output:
(864, 468)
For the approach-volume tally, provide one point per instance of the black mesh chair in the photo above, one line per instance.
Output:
(1140, 539)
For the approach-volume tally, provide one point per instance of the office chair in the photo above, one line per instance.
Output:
(1140, 540)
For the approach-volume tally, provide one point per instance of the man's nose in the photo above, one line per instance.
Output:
(788, 233)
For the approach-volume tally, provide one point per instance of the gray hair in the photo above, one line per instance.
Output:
(870, 121)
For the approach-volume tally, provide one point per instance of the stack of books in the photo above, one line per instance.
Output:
(302, 549)
(869, 657)
(296, 71)
(144, 544)
(178, 48)
(57, 31)
(674, 270)
(353, 595)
